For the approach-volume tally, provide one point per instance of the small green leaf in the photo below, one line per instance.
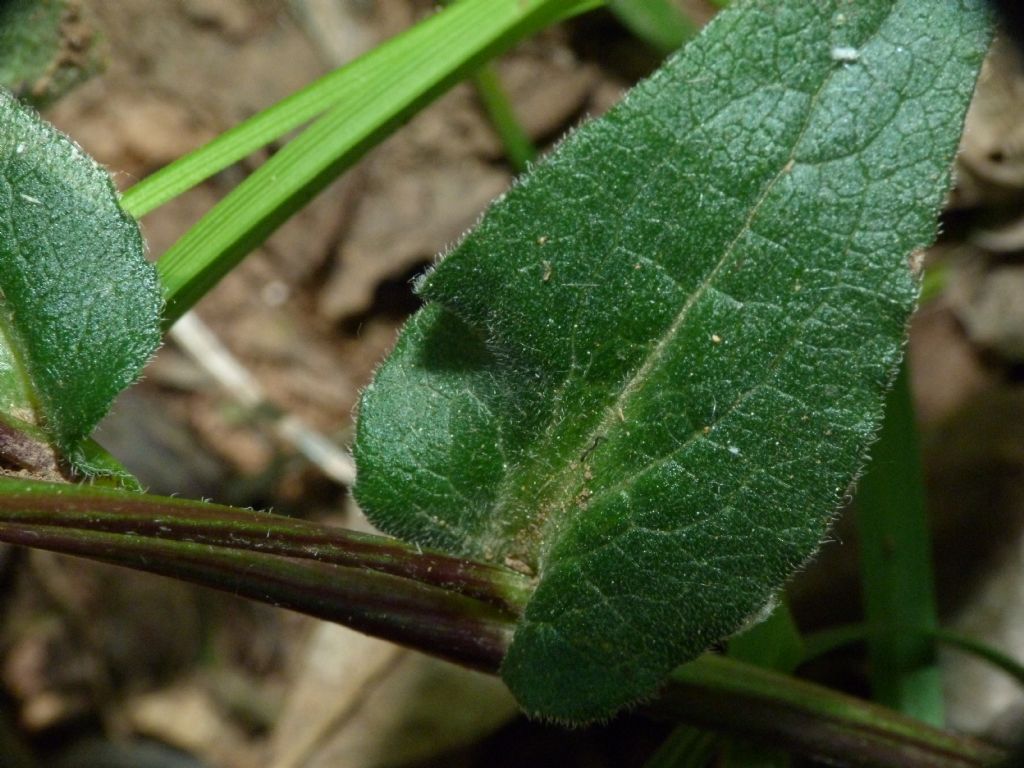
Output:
(651, 374)
(45, 48)
(81, 305)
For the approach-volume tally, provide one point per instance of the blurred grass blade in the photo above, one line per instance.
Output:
(372, 82)
(519, 149)
(983, 651)
(934, 282)
(826, 641)
(773, 644)
(659, 23)
(685, 747)
(388, 86)
(896, 566)
(832, 639)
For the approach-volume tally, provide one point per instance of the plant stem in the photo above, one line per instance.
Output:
(459, 610)
(750, 702)
(896, 566)
(456, 609)
(110, 511)
(407, 612)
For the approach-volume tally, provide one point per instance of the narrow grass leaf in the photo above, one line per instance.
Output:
(650, 375)
(659, 23)
(826, 641)
(519, 148)
(375, 81)
(896, 567)
(385, 88)
(685, 747)
(774, 643)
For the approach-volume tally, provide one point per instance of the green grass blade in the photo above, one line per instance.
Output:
(369, 79)
(896, 566)
(659, 23)
(830, 640)
(773, 644)
(685, 747)
(519, 149)
(983, 651)
(934, 282)
(387, 86)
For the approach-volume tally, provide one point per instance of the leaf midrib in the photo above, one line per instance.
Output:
(571, 481)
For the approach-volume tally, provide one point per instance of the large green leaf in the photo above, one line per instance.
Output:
(45, 47)
(80, 304)
(652, 372)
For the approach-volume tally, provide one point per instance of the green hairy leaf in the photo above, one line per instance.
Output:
(81, 305)
(650, 375)
(45, 48)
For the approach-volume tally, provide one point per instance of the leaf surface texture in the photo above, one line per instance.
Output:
(651, 373)
(80, 304)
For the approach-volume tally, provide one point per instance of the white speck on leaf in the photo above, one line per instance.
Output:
(845, 54)
(734, 450)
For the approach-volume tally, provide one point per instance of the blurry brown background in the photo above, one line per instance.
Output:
(95, 660)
